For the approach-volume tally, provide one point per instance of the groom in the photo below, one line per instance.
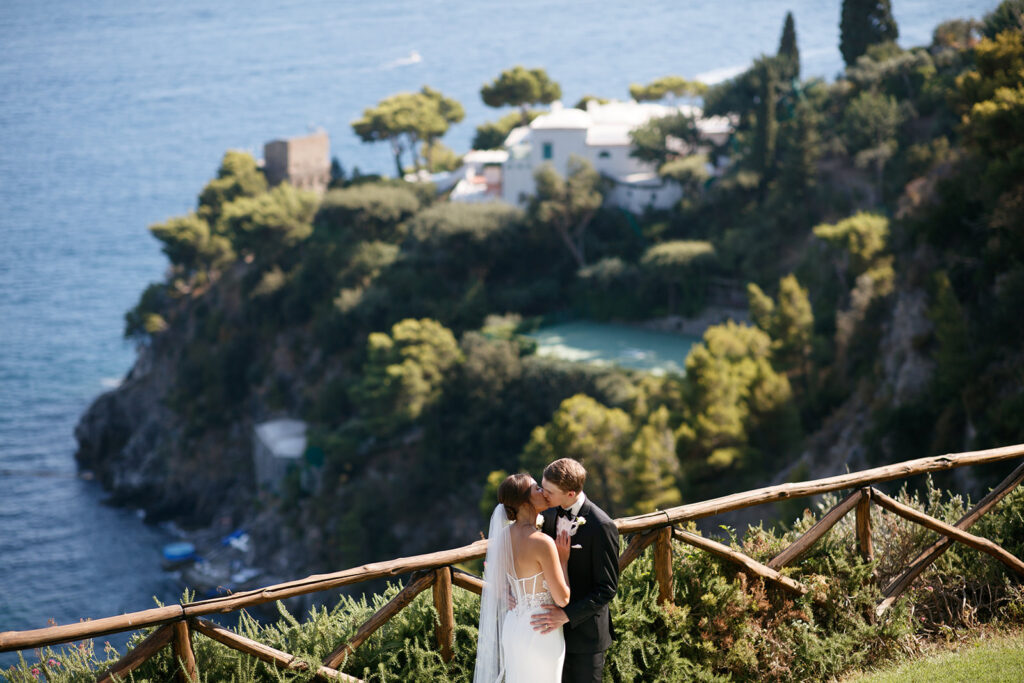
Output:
(593, 572)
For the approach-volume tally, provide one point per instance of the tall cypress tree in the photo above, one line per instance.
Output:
(767, 121)
(865, 23)
(789, 53)
(799, 151)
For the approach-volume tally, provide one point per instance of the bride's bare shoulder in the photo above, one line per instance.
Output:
(538, 539)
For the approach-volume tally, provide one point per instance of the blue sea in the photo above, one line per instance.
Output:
(113, 115)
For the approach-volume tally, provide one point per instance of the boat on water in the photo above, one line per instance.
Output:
(214, 571)
(210, 579)
(177, 555)
(413, 57)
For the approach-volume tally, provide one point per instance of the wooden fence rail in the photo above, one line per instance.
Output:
(177, 623)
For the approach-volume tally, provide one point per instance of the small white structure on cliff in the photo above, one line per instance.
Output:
(601, 136)
(277, 446)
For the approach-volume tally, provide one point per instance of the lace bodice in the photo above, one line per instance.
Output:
(530, 593)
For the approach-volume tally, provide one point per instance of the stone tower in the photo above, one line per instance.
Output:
(304, 162)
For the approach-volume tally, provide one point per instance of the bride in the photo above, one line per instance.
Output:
(524, 569)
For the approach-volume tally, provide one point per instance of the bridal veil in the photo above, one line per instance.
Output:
(498, 566)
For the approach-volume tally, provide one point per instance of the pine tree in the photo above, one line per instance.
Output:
(865, 23)
(789, 53)
(521, 87)
(652, 467)
(736, 406)
(404, 372)
(597, 436)
(952, 353)
(789, 322)
(794, 326)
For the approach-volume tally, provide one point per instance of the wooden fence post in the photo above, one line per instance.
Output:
(976, 542)
(637, 544)
(264, 653)
(898, 585)
(663, 564)
(417, 583)
(183, 653)
(748, 564)
(864, 544)
(801, 545)
(445, 612)
(135, 658)
(467, 581)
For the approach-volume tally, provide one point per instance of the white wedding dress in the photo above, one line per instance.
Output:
(509, 650)
(531, 656)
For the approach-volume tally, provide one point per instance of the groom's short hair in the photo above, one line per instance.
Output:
(567, 474)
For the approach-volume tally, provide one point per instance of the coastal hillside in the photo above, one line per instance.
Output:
(873, 224)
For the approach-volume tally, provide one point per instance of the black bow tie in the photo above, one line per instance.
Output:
(562, 512)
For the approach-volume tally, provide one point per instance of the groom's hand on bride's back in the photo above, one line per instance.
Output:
(550, 619)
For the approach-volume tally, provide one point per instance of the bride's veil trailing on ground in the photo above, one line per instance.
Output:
(498, 566)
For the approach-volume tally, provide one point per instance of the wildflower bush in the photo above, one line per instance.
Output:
(722, 625)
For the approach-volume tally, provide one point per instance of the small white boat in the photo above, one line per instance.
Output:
(413, 57)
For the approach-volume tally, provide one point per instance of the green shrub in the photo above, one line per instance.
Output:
(139, 322)
(463, 233)
(366, 212)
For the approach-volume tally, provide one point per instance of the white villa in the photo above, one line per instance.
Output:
(601, 135)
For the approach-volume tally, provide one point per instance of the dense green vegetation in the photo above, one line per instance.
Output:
(388, 318)
(886, 205)
(723, 626)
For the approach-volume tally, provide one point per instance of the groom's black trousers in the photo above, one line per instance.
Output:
(583, 668)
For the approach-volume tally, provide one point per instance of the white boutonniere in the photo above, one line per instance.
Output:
(576, 524)
(540, 521)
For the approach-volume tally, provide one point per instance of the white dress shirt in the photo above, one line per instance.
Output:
(563, 523)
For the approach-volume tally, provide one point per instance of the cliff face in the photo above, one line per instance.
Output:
(120, 435)
(902, 373)
(142, 442)
(139, 449)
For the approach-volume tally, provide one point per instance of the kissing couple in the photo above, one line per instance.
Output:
(551, 570)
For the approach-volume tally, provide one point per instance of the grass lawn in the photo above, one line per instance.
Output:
(998, 659)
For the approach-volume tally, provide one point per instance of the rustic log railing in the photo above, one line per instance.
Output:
(177, 623)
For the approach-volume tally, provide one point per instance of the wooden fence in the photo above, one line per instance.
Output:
(178, 623)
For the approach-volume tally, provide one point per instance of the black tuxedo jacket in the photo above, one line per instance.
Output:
(593, 579)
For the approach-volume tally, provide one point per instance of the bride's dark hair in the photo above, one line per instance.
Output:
(513, 492)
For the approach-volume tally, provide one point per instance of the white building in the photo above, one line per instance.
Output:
(278, 445)
(600, 135)
(480, 176)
